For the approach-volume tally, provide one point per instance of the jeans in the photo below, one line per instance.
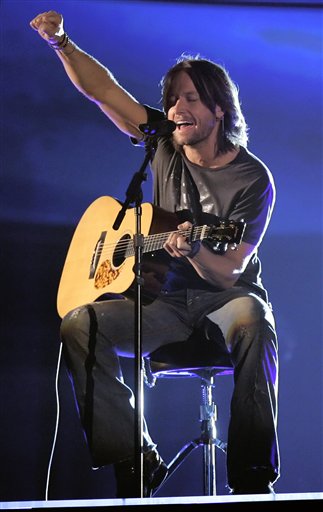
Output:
(95, 335)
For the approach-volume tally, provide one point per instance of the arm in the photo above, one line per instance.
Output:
(219, 270)
(91, 78)
(223, 270)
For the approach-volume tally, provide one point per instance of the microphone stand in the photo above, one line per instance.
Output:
(134, 196)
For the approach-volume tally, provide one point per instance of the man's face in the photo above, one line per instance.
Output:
(195, 123)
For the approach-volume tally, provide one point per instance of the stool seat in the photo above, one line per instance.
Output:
(179, 359)
(191, 358)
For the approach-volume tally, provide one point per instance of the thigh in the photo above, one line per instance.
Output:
(161, 323)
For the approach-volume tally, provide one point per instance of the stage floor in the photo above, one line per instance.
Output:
(179, 502)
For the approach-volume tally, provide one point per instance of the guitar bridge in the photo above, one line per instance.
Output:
(96, 254)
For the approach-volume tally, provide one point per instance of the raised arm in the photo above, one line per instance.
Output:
(90, 77)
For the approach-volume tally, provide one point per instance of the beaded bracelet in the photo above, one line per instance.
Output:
(58, 45)
(72, 50)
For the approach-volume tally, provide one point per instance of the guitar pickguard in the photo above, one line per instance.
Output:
(106, 274)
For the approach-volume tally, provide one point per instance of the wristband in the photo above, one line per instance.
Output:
(58, 45)
(195, 247)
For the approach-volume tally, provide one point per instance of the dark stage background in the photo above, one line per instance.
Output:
(59, 153)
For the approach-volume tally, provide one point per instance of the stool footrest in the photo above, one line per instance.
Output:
(185, 452)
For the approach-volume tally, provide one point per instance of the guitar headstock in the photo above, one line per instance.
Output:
(225, 232)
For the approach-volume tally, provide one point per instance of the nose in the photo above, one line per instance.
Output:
(179, 106)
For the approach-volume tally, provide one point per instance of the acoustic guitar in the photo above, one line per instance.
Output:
(100, 259)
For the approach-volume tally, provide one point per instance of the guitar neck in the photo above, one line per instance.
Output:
(155, 242)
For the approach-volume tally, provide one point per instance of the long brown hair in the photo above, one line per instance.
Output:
(215, 87)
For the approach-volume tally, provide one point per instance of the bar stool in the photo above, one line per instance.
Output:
(203, 358)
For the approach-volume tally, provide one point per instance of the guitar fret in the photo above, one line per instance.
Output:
(203, 232)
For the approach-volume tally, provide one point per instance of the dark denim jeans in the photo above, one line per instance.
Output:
(95, 335)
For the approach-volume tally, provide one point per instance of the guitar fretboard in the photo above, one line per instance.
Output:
(156, 241)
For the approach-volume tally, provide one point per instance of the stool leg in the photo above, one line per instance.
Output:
(208, 436)
(207, 439)
(209, 465)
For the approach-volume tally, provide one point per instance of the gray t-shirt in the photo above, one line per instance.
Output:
(241, 190)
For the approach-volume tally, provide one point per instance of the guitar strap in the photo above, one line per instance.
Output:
(188, 206)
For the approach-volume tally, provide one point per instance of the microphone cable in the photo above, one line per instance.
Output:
(57, 420)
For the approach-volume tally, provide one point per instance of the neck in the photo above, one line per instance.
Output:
(207, 158)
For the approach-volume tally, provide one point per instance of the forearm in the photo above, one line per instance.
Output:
(90, 77)
(221, 270)
(216, 269)
(87, 74)
(99, 85)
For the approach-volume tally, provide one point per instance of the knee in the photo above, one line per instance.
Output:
(75, 322)
(252, 320)
(252, 311)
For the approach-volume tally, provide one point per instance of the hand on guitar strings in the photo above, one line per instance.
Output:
(179, 243)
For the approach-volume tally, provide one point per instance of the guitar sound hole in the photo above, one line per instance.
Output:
(121, 251)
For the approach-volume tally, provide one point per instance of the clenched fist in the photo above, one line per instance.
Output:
(49, 26)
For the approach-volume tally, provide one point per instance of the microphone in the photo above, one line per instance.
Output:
(158, 128)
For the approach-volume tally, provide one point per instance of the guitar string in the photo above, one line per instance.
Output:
(126, 247)
(149, 242)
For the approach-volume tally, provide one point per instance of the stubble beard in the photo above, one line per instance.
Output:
(191, 141)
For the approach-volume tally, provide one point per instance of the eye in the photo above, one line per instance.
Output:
(192, 97)
(171, 101)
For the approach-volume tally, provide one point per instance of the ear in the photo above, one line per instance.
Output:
(219, 114)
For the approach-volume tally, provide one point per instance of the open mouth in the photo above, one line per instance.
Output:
(183, 124)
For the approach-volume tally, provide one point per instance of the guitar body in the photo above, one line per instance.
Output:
(97, 261)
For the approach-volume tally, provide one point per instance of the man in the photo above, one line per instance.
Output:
(202, 171)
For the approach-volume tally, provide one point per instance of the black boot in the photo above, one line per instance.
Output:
(154, 473)
(253, 489)
(253, 482)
